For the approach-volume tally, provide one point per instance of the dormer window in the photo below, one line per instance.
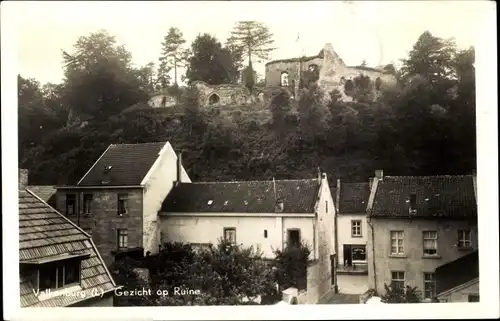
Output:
(55, 272)
(106, 174)
(58, 275)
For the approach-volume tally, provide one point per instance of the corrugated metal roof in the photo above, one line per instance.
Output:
(45, 233)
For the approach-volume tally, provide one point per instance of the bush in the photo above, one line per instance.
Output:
(291, 266)
(401, 295)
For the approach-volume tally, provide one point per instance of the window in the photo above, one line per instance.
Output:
(326, 206)
(70, 204)
(230, 235)
(430, 242)
(56, 276)
(397, 238)
(294, 237)
(429, 285)
(122, 239)
(87, 204)
(358, 252)
(473, 298)
(464, 239)
(356, 228)
(397, 280)
(265, 234)
(122, 204)
(378, 83)
(413, 203)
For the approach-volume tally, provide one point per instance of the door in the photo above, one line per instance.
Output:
(347, 255)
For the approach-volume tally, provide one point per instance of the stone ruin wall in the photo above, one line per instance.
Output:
(332, 72)
(161, 100)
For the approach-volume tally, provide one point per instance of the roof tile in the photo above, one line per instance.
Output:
(436, 196)
(50, 234)
(298, 196)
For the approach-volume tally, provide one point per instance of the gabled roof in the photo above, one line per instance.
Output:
(129, 164)
(445, 196)
(298, 196)
(44, 235)
(353, 198)
(46, 192)
(457, 272)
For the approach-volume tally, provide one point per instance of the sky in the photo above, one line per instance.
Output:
(378, 32)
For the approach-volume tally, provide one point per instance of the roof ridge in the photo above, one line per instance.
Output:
(148, 143)
(426, 176)
(253, 181)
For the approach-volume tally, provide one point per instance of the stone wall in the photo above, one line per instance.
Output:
(225, 94)
(104, 220)
(162, 100)
(333, 71)
(23, 178)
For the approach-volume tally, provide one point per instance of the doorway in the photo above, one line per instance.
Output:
(294, 237)
(347, 255)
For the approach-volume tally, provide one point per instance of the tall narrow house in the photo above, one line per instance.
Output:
(118, 199)
(420, 229)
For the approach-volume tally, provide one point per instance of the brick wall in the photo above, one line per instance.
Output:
(412, 262)
(104, 221)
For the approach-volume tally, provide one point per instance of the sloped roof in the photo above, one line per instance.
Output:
(298, 196)
(43, 234)
(46, 192)
(353, 198)
(450, 196)
(129, 162)
(457, 272)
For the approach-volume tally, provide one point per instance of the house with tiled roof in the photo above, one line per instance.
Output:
(118, 199)
(351, 200)
(418, 225)
(59, 264)
(268, 215)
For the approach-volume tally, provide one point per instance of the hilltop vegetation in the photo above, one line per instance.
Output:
(423, 125)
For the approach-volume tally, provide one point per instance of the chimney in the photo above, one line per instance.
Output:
(370, 182)
(179, 167)
(319, 175)
(379, 174)
(280, 205)
(23, 178)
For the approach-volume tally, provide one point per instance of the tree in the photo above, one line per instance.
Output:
(431, 58)
(291, 266)
(173, 55)
(124, 275)
(210, 62)
(224, 274)
(401, 295)
(146, 75)
(253, 38)
(363, 63)
(99, 77)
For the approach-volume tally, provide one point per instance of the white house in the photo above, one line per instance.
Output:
(351, 201)
(263, 214)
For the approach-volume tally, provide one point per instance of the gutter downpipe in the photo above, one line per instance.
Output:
(373, 252)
